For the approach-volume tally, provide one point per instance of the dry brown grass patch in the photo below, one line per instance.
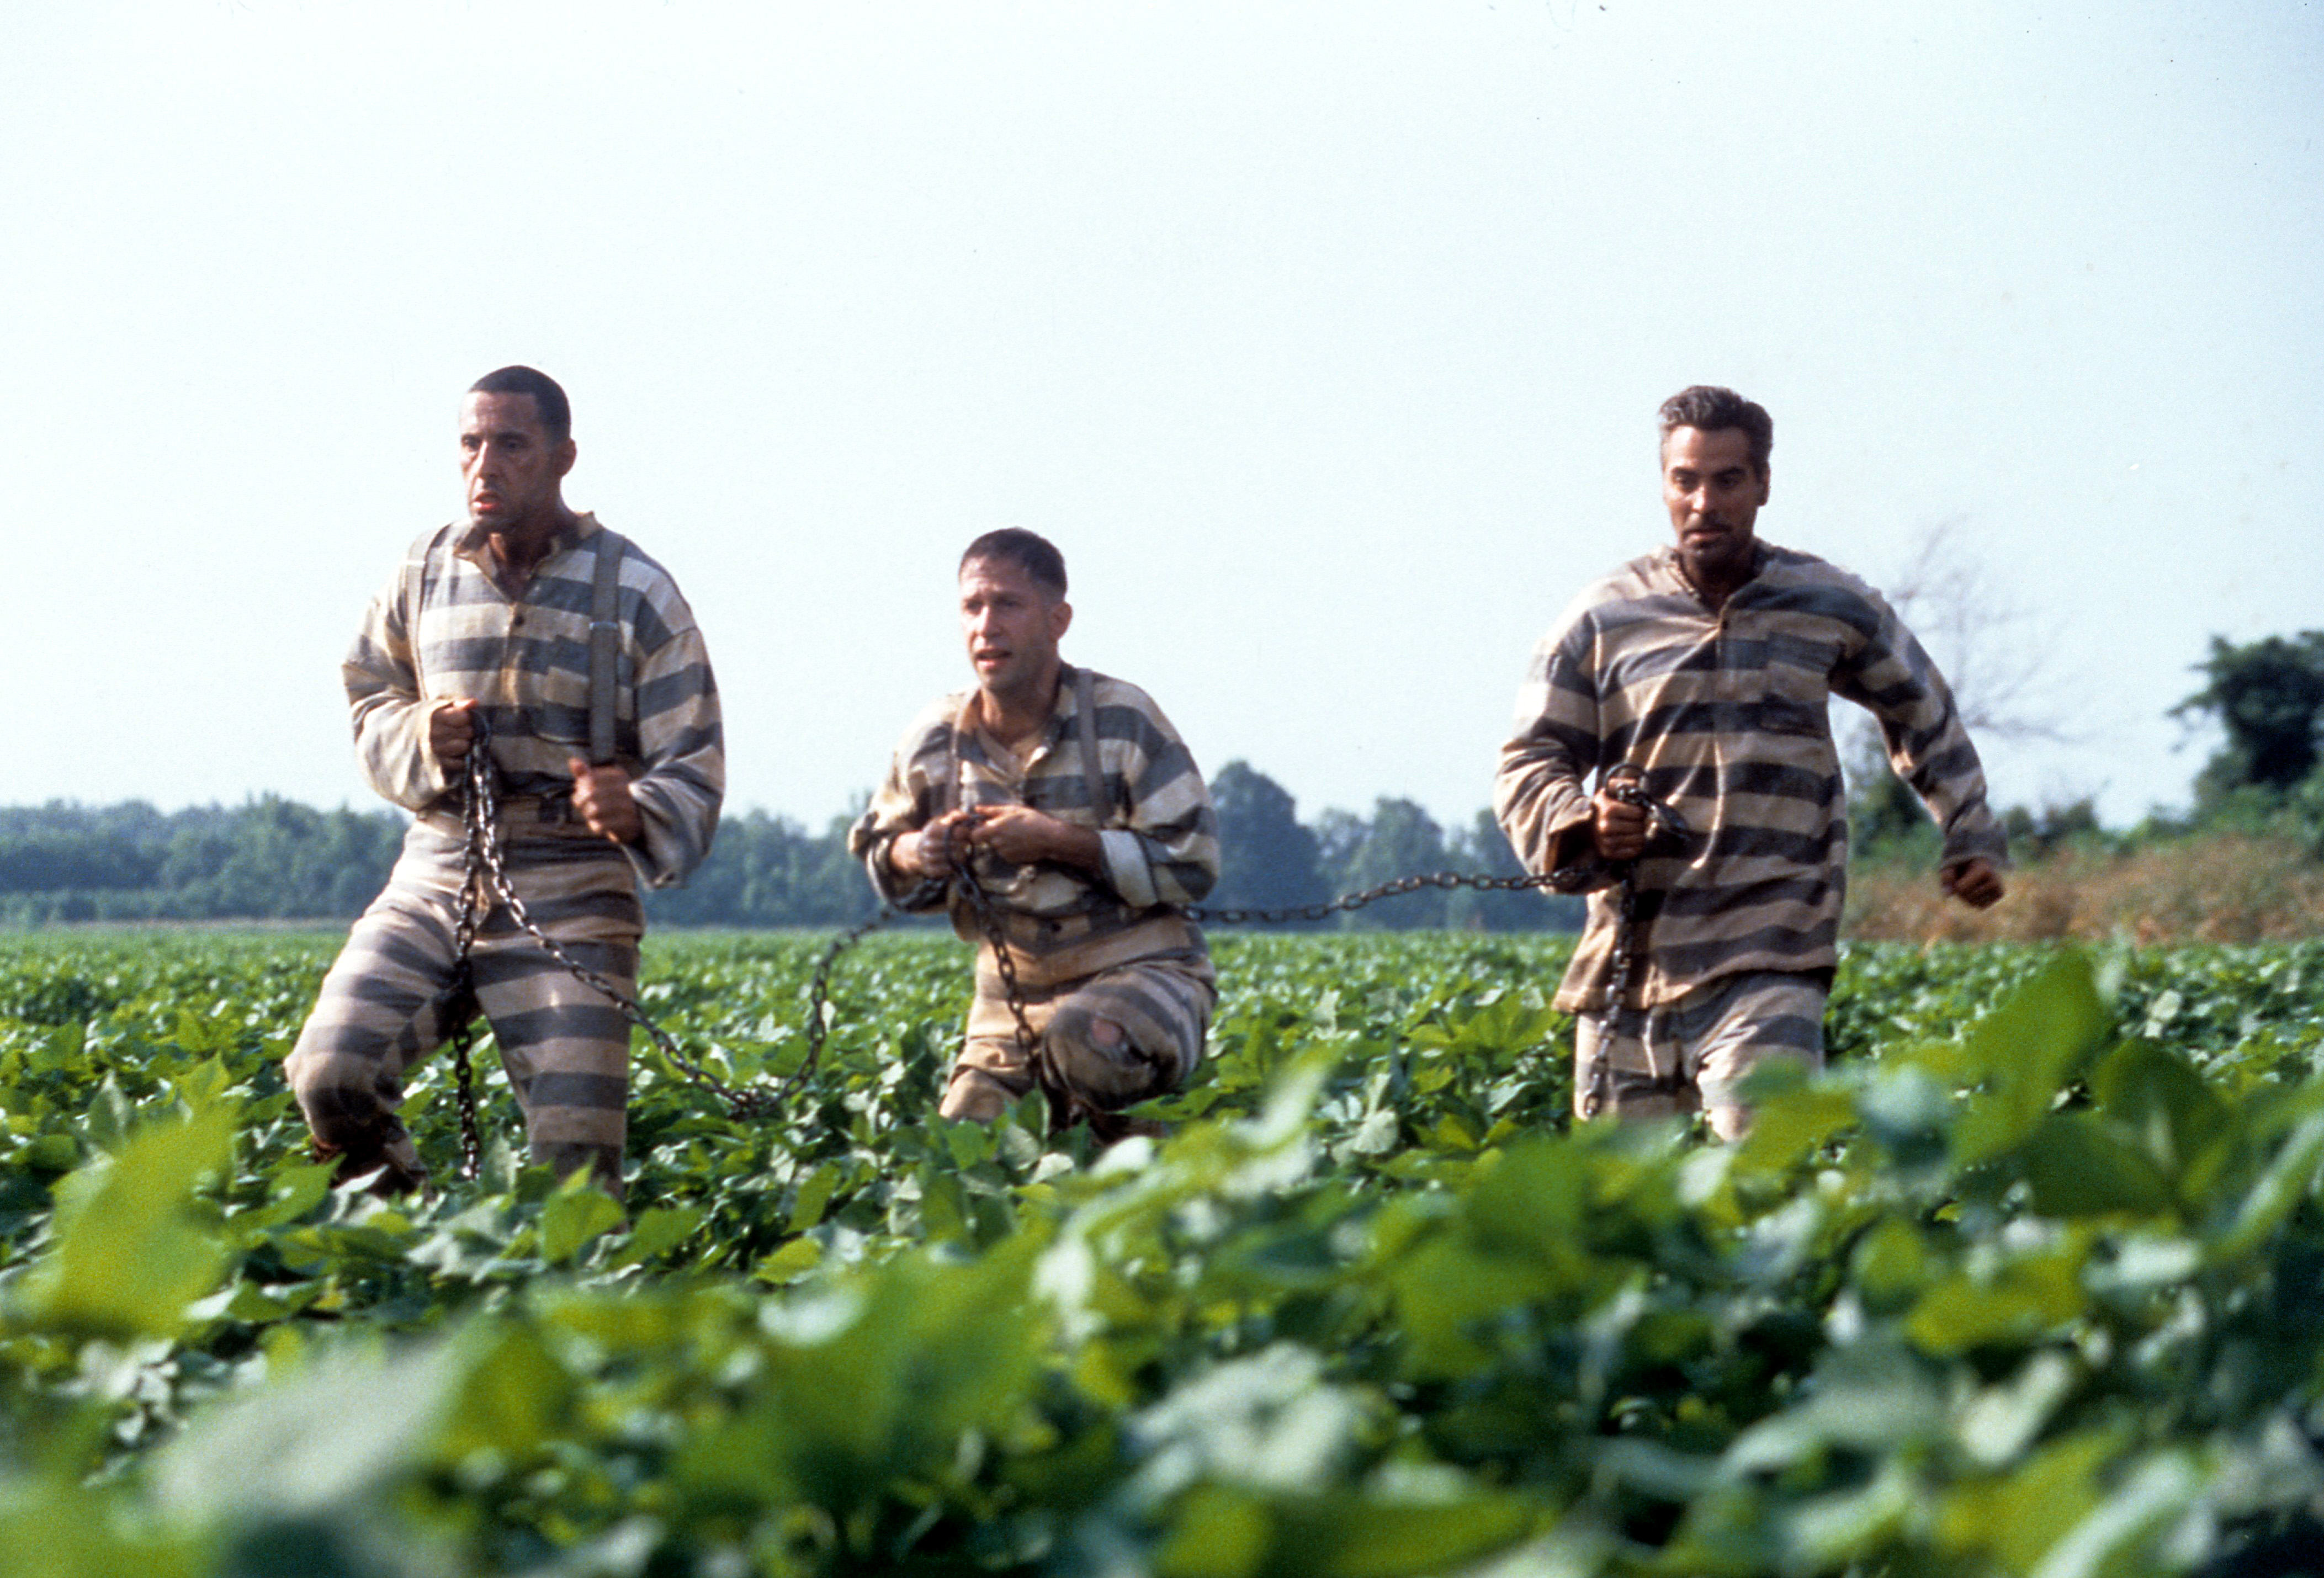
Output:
(2212, 887)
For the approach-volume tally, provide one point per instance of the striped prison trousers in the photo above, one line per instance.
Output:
(389, 1002)
(1695, 1053)
(1161, 1008)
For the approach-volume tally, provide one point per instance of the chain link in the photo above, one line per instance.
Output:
(1066, 1106)
(485, 870)
(1564, 879)
(1626, 784)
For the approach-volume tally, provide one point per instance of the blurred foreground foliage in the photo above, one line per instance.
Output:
(2028, 1283)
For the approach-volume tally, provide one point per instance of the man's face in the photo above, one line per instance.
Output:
(512, 470)
(1012, 626)
(1713, 494)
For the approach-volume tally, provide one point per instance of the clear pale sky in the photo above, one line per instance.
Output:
(1324, 338)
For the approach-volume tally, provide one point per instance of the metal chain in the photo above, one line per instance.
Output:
(1066, 1105)
(475, 811)
(484, 867)
(1564, 879)
(1626, 784)
(818, 990)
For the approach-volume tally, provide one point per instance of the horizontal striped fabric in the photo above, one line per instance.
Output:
(387, 1004)
(1727, 713)
(1160, 833)
(443, 629)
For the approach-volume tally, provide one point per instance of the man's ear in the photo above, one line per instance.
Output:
(1060, 618)
(1765, 472)
(567, 452)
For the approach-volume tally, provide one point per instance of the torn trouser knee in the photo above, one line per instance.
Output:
(1159, 1011)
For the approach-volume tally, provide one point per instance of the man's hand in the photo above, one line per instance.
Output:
(601, 797)
(1618, 827)
(451, 730)
(1974, 882)
(1020, 836)
(929, 852)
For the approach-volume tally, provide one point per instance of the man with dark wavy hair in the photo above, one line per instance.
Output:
(532, 633)
(1707, 668)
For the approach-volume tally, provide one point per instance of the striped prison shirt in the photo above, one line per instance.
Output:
(1727, 714)
(444, 628)
(1159, 833)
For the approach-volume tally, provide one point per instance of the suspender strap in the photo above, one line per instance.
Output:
(1085, 724)
(604, 645)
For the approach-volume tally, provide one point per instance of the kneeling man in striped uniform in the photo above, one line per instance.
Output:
(1706, 666)
(582, 663)
(1069, 800)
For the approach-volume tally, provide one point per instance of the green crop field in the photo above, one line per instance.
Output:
(2031, 1282)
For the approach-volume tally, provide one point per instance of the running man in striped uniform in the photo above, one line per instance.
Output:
(491, 621)
(1708, 665)
(1081, 813)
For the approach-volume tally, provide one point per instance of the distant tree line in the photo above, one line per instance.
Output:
(273, 859)
(2266, 779)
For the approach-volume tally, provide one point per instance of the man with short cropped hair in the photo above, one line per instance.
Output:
(1707, 667)
(537, 635)
(1069, 800)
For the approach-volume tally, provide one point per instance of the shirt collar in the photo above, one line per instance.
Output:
(1061, 710)
(471, 542)
(1666, 561)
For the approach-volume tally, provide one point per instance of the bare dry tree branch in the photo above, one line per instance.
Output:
(1999, 660)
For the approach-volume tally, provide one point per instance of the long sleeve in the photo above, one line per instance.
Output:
(909, 797)
(1541, 793)
(1892, 676)
(1169, 854)
(1164, 850)
(681, 741)
(390, 712)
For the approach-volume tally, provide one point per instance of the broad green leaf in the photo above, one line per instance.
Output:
(2019, 1515)
(574, 1218)
(2119, 1537)
(2290, 1177)
(1788, 1127)
(509, 1397)
(2028, 1297)
(129, 1255)
(658, 1232)
(2079, 1165)
(319, 1443)
(814, 1194)
(1891, 1265)
(52, 1529)
(2025, 1051)
(1222, 1532)
(2154, 1096)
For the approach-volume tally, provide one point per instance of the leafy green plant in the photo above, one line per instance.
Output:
(2025, 1285)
